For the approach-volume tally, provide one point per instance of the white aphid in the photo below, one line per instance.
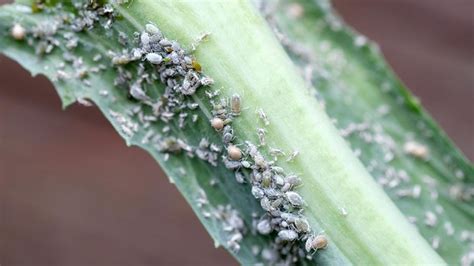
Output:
(154, 58)
(152, 29)
(287, 235)
(264, 227)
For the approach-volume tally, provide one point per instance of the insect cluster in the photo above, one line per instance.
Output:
(269, 184)
(147, 58)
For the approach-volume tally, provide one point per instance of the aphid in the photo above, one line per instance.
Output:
(154, 58)
(255, 250)
(196, 66)
(285, 187)
(61, 75)
(291, 218)
(18, 32)
(84, 102)
(152, 29)
(294, 198)
(449, 228)
(217, 123)
(261, 136)
(316, 242)
(246, 164)
(416, 149)
(232, 164)
(302, 225)
(430, 219)
(279, 180)
(276, 152)
(137, 92)
(265, 204)
(276, 203)
(343, 211)
(198, 40)
(278, 169)
(234, 152)
(257, 192)
(293, 180)
(260, 161)
(292, 156)
(145, 39)
(190, 83)
(97, 57)
(206, 81)
(435, 242)
(235, 104)
(266, 179)
(264, 227)
(239, 177)
(227, 134)
(263, 117)
(120, 60)
(213, 182)
(287, 235)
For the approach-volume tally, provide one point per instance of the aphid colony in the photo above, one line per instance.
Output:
(157, 59)
(269, 184)
(397, 182)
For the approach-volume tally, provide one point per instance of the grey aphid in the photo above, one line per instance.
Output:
(230, 164)
(261, 136)
(294, 198)
(165, 42)
(228, 134)
(206, 81)
(174, 57)
(293, 180)
(287, 235)
(136, 53)
(289, 217)
(264, 227)
(265, 203)
(276, 203)
(145, 38)
(152, 29)
(272, 193)
(279, 180)
(154, 58)
(286, 187)
(137, 93)
(302, 225)
(257, 192)
(278, 169)
(175, 45)
(239, 177)
(190, 83)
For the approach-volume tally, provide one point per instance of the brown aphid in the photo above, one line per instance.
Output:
(217, 123)
(234, 152)
(316, 242)
(416, 149)
(18, 32)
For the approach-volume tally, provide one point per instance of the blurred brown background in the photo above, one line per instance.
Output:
(72, 193)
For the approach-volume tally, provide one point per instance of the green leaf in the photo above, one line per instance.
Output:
(397, 140)
(243, 57)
